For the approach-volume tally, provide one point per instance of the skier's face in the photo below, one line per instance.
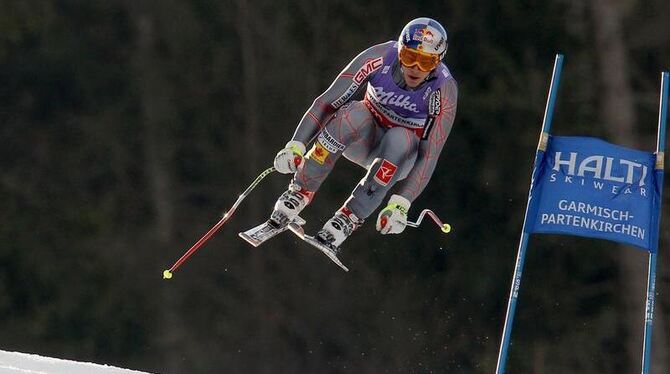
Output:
(413, 76)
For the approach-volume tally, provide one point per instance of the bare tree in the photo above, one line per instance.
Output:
(248, 36)
(619, 115)
(156, 115)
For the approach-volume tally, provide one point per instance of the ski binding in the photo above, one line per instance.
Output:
(265, 231)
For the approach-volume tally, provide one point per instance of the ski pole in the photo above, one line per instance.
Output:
(445, 227)
(167, 274)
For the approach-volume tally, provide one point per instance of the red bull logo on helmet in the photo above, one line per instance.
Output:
(423, 36)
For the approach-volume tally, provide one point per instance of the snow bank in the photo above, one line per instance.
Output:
(21, 363)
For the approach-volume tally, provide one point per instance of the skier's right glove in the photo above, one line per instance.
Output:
(289, 158)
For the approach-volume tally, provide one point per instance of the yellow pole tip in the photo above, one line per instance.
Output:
(167, 274)
(446, 228)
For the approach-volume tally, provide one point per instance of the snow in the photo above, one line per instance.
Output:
(22, 363)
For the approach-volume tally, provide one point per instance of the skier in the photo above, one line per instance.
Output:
(396, 132)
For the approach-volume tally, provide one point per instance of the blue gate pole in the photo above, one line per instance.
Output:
(651, 276)
(523, 243)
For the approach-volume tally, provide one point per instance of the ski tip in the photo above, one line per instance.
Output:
(167, 274)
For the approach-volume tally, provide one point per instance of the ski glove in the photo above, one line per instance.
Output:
(289, 158)
(393, 218)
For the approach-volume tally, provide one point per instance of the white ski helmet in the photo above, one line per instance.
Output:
(425, 35)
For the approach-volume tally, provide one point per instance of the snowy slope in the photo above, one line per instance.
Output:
(21, 363)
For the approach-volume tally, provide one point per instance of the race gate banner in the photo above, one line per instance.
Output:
(588, 187)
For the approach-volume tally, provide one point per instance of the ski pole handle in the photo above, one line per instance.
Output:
(445, 227)
(167, 274)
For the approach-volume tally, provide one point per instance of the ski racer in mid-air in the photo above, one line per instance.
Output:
(396, 132)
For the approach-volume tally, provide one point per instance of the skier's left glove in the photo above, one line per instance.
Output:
(289, 158)
(393, 218)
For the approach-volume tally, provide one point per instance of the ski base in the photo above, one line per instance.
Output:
(265, 231)
(326, 249)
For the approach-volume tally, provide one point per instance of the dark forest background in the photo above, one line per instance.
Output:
(128, 127)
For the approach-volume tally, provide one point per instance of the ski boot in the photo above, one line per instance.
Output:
(286, 211)
(338, 228)
(289, 205)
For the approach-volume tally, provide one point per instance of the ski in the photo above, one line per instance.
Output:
(326, 249)
(265, 231)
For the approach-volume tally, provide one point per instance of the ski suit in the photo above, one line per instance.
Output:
(396, 133)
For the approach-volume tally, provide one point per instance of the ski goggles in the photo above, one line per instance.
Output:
(422, 60)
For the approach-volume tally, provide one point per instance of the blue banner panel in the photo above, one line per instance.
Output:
(588, 187)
